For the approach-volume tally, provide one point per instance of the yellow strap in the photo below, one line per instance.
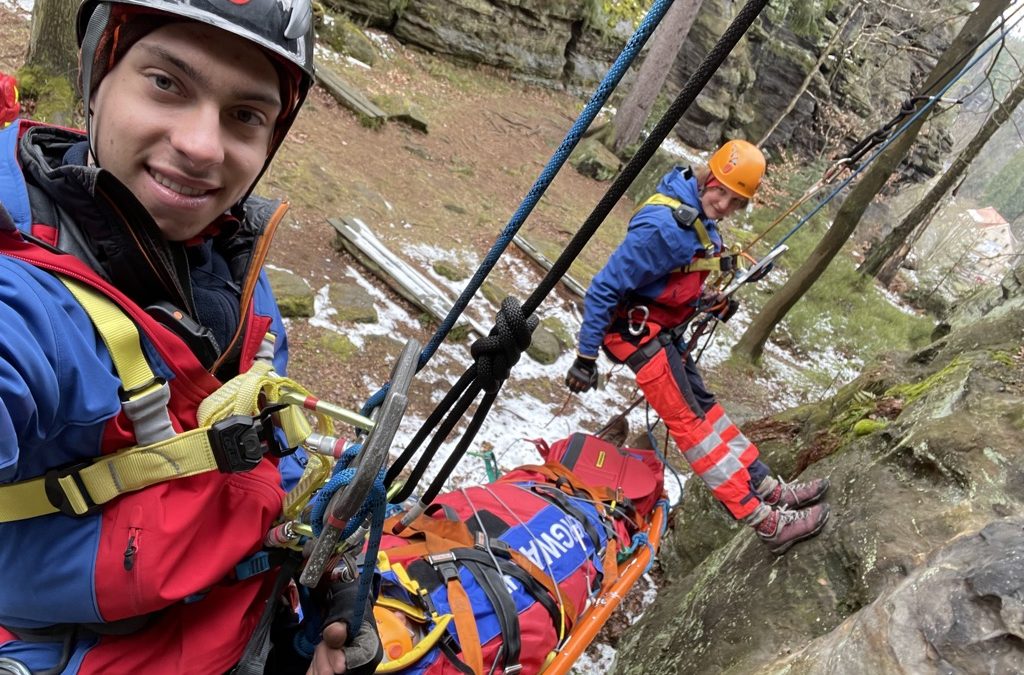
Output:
(659, 199)
(121, 337)
(703, 265)
(183, 455)
(26, 499)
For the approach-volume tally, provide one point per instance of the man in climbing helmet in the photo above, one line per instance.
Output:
(637, 310)
(131, 288)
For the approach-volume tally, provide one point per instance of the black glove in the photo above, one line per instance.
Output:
(760, 274)
(724, 311)
(582, 375)
(363, 650)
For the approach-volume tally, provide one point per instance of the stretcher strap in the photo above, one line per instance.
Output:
(465, 626)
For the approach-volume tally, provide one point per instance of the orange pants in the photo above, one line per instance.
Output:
(713, 446)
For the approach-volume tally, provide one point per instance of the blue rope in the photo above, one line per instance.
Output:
(665, 506)
(374, 508)
(927, 106)
(572, 138)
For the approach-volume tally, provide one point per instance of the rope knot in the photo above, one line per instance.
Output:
(497, 352)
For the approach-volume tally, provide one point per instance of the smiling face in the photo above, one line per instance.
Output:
(185, 121)
(720, 202)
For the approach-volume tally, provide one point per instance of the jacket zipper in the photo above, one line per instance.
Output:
(132, 549)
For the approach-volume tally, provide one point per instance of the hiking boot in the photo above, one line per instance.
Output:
(793, 495)
(783, 527)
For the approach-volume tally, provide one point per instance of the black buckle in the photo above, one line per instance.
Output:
(240, 441)
(58, 498)
(496, 546)
(685, 215)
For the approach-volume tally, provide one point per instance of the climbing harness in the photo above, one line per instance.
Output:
(254, 414)
(496, 353)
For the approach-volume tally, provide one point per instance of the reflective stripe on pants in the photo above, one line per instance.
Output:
(719, 463)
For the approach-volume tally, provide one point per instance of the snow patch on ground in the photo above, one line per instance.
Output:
(24, 5)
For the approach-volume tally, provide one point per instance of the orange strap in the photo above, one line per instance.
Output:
(465, 626)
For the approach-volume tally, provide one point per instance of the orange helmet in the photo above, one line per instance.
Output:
(739, 166)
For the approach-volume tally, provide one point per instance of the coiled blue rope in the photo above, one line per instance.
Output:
(572, 138)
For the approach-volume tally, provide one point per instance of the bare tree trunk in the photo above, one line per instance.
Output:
(751, 344)
(891, 266)
(888, 254)
(668, 37)
(53, 47)
(810, 75)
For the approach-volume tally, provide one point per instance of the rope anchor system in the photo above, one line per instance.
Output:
(367, 465)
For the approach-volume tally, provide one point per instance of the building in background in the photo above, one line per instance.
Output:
(995, 248)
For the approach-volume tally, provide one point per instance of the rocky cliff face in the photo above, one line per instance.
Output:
(885, 51)
(919, 570)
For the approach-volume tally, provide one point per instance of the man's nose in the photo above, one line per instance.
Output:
(198, 136)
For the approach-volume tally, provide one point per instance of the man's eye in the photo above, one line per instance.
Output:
(249, 117)
(163, 82)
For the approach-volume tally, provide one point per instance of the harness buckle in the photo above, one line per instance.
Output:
(496, 546)
(439, 558)
(240, 441)
(636, 328)
(145, 388)
(446, 565)
(59, 499)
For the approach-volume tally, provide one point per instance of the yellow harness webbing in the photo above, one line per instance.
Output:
(121, 337)
(698, 264)
(84, 487)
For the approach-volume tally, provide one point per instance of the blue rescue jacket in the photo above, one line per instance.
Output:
(645, 268)
(159, 555)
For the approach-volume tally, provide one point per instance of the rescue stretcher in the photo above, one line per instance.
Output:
(520, 574)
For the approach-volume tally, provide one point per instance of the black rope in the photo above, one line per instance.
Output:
(687, 95)
(910, 106)
(496, 353)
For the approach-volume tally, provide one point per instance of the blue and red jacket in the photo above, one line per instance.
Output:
(153, 562)
(645, 269)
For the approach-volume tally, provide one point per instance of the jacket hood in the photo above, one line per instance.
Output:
(681, 184)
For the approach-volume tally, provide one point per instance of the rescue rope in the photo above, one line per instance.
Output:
(600, 96)
(880, 139)
(373, 507)
(462, 394)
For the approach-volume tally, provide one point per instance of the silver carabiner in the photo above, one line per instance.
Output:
(636, 329)
(9, 666)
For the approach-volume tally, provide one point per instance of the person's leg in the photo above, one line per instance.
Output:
(666, 386)
(739, 445)
(776, 525)
(772, 491)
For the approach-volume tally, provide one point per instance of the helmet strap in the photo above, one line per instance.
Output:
(90, 41)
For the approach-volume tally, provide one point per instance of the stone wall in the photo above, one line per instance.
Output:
(563, 43)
